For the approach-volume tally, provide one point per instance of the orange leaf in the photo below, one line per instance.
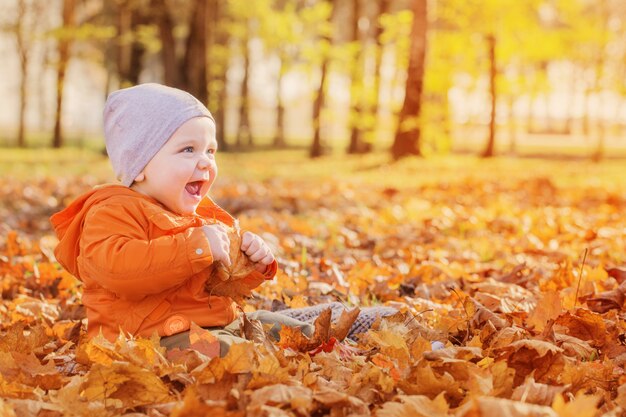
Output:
(548, 308)
(203, 341)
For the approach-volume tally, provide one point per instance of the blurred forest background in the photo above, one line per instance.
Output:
(401, 76)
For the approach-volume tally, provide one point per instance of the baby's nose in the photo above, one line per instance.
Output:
(204, 162)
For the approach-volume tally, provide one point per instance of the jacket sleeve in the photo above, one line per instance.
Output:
(116, 253)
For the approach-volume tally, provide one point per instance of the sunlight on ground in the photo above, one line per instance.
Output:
(375, 168)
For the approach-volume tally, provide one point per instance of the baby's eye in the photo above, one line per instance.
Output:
(210, 151)
(188, 149)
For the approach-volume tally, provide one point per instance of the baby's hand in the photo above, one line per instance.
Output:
(257, 251)
(219, 243)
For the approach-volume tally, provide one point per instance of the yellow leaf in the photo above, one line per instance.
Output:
(124, 384)
(581, 406)
(548, 308)
(415, 405)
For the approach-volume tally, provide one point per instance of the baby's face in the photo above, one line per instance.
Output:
(180, 175)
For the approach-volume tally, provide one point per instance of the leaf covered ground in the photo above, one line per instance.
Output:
(517, 269)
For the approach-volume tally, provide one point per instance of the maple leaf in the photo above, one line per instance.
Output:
(415, 405)
(581, 406)
(225, 280)
(487, 406)
(194, 406)
(585, 325)
(297, 398)
(293, 338)
(608, 300)
(548, 308)
(526, 356)
(340, 330)
(123, 385)
(537, 393)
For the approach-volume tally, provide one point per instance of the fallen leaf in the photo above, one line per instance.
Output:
(548, 308)
(536, 393)
(224, 280)
(203, 341)
(415, 405)
(341, 329)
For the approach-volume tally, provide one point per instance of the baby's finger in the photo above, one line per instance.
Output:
(259, 254)
(246, 240)
(269, 258)
(254, 247)
(226, 258)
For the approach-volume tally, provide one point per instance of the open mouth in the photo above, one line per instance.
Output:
(194, 188)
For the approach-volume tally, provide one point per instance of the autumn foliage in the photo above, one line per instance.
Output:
(494, 270)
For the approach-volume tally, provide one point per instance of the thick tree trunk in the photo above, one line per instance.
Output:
(169, 59)
(356, 144)
(129, 56)
(491, 141)
(194, 64)
(407, 139)
(64, 57)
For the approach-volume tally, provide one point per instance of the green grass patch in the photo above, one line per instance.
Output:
(375, 168)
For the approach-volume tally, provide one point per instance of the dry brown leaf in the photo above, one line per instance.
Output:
(488, 407)
(296, 398)
(548, 308)
(415, 405)
(581, 406)
(341, 329)
(223, 280)
(536, 393)
(123, 386)
(585, 325)
(293, 338)
(608, 300)
(542, 358)
(618, 273)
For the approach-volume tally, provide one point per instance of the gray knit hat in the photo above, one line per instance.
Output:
(139, 120)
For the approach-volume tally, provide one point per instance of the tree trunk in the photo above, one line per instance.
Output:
(64, 57)
(356, 144)
(129, 56)
(169, 59)
(317, 148)
(407, 138)
(244, 136)
(512, 127)
(279, 139)
(21, 135)
(23, 52)
(491, 44)
(383, 8)
(217, 70)
(195, 62)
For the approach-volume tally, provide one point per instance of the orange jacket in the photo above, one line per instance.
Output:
(143, 267)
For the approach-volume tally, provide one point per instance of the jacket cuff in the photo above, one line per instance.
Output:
(270, 271)
(198, 250)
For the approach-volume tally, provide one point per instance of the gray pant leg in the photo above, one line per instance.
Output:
(278, 320)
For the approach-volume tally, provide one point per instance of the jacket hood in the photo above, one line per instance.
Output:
(68, 223)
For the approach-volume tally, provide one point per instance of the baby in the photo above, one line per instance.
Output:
(145, 248)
